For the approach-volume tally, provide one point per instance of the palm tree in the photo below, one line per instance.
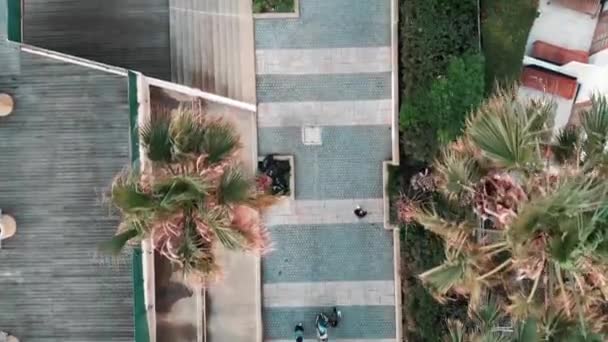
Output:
(543, 203)
(484, 326)
(192, 195)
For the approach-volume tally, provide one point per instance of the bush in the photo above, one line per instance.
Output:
(505, 27)
(273, 6)
(422, 250)
(435, 115)
(432, 32)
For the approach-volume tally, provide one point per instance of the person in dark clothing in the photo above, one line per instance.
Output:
(299, 332)
(360, 212)
(334, 318)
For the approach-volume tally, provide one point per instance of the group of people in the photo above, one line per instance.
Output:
(322, 324)
(323, 321)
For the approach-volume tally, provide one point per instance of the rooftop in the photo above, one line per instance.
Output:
(61, 146)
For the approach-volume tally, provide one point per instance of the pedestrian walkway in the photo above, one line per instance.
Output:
(329, 68)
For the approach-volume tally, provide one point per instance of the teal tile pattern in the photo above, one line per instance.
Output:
(358, 322)
(328, 24)
(335, 87)
(337, 252)
(347, 165)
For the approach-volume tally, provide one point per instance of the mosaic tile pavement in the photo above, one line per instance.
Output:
(347, 165)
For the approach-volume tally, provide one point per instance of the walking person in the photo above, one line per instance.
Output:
(360, 212)
(322, 323)
(299, 332)
(335, 317)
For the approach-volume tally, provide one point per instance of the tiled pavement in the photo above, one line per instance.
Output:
(323, 256)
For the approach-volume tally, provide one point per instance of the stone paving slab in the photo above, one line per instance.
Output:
(323, 61)
(335, 252)
(333, 87)
(335, 293)
(328, 24)
(325, 113)
(358, 322)
(324, 212)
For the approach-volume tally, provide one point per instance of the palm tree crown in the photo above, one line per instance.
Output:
(542, 201)
(191, 195)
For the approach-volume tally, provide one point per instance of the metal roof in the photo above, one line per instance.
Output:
(132, 34)
(59, 149)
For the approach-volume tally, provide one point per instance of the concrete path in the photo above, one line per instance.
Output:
(329, 68)
(233, 304)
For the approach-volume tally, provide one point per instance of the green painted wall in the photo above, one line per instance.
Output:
(14, 20)
(139, 303)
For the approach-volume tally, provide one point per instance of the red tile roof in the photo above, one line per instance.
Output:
(549, 81)
(558, 55)
(585, 6)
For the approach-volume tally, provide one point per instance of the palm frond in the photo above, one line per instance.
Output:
(117, 243)
(574, 196)
(180, 190)
(520, 309)
(488, 315)
(234, 186)
(230, 238)
(456, 173)
(456, 331)
(527, 331)
(446, 229)
(595, 125)
(220, 140)
(503, 139)
(156, 138)
(508, 132)
(566, 144)
(539, 115)
(127, 196)
(444, 277)
(187, 131)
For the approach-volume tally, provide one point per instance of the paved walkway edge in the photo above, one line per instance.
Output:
(398, 299)
(395, 141)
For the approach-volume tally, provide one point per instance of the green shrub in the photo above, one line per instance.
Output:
(505, 28)
(425, 316)
(431, 33)
(273, 6)
(435, 114)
